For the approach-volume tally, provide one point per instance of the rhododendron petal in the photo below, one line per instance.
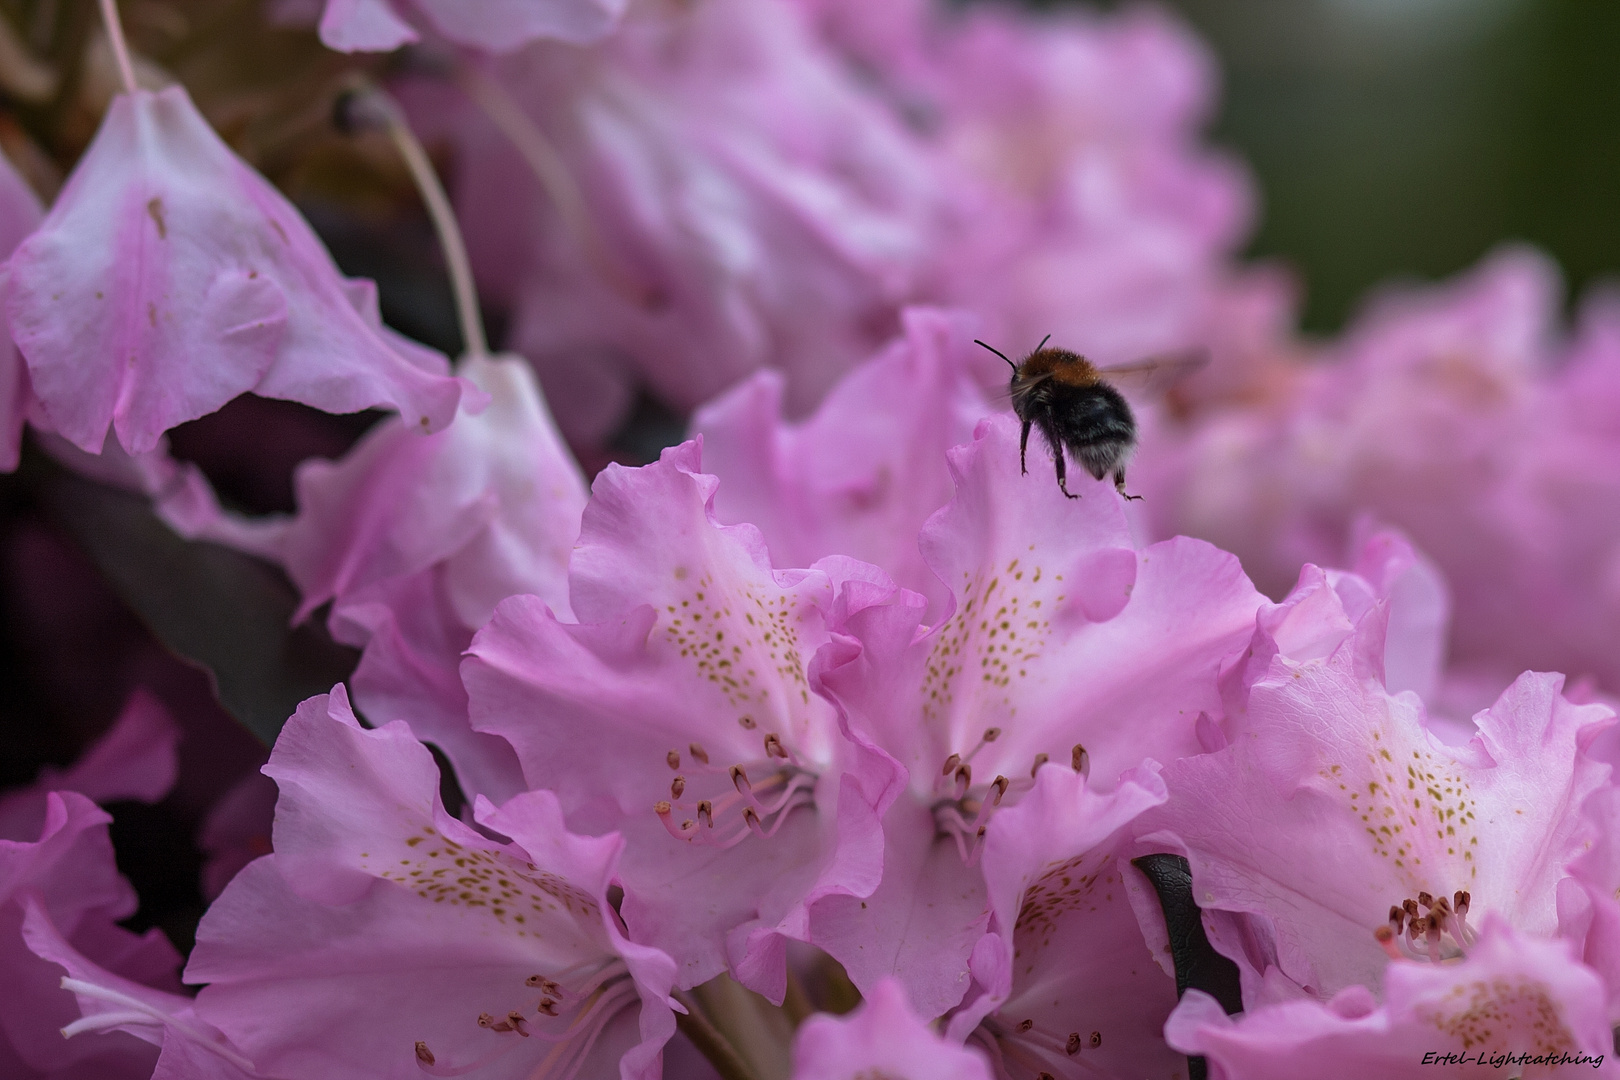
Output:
(169, 278)
(497, 26)
(1589, 900)
(382, 926)
(884, 1037)
(867, 469)
(68, 873)
(1513, 994)
(1066, 955)
(363, 26)
(119, 1004)
(416, 538)
(921, 922)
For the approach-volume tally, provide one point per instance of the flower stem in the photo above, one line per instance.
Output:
(709, 1042)
(120, 48)
(758, 1031)
(379, 106)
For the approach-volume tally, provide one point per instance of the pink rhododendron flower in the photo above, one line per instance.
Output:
(1070, 987)
(384, 938)
(740, 202)
(1120, 223)
(56, 865)
(678, 711)
(495, 25)
(1454, 412)
(169, 277)
(863, 473)
(416, 539)
(66, 875)
(1112, 226)
(1512, 995)
(881, 1038)
(1380, 840)
(1066, 644)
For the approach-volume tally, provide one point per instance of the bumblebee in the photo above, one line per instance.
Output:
(1078, 410)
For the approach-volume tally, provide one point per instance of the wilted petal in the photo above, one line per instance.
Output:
(20, 214)
(416, 538)
(169, 278)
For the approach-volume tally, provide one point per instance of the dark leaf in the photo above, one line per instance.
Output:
(1198, 965)
(224, 611)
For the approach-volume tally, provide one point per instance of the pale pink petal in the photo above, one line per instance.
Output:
(169, 278)
(417, 538)
(20, 214)
(884, 1037)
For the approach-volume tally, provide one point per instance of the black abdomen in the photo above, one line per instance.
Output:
(1093, 422)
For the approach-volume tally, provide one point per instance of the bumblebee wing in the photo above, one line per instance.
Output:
(1019, 388)
(1155, 374)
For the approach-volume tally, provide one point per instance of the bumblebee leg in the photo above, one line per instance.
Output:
(1023, 445)
(1062, 473)
(1119, 485)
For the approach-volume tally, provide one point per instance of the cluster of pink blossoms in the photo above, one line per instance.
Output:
(832, 694)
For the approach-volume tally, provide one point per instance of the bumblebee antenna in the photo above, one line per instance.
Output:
(999, 353)
(1044, 340)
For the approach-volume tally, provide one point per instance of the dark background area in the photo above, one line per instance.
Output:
(1408, 137)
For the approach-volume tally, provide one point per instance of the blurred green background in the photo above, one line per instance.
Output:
(1407, 137)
